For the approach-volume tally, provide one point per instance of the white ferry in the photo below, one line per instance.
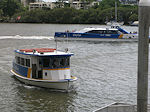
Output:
(43, 67)
(115, 32)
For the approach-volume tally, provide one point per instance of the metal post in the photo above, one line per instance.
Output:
(115, 11)
(143, 53)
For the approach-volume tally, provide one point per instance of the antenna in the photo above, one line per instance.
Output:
(34, 51)
(115, 11)
(67, 41)
(56, 44)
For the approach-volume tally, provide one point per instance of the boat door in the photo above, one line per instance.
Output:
(36, 68)
(40, 69)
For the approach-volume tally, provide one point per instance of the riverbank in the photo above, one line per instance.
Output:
(74, 16)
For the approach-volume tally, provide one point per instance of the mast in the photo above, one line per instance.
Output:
(115, 11)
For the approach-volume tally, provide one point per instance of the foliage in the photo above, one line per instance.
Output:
(1, 12)
(105, 4)
(123, 13)
(133, 17)
(10, 7)
(95, 15)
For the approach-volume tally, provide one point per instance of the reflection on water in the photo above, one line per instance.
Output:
(43, 99)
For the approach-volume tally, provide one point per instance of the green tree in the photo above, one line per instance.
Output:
(1, 12)
(105, 4)
(93, 17)
(33, 16)
(66, 15)
(10, 7)
(125, 13)
(133, 17)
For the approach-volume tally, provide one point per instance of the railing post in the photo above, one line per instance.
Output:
(143, 54)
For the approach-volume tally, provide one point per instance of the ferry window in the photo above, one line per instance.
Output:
(68, 62)
(104, 32)
(18, 60)
(22, 61)
(114, 32)
(93, 31)
(111, 32)
(56, 63)
(45, 73)
(51, 64)
(100, 31)
(62, 62)
(97, 31)
(28, 62)
(46, 62)
(40, 61)
(65, 62)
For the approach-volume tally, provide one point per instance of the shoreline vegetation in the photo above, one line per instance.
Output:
(11, 11)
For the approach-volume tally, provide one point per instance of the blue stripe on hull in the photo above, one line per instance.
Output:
(85, 35)
(21, 70)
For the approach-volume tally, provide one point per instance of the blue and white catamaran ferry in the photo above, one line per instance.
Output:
(43, 67)
(115, 32)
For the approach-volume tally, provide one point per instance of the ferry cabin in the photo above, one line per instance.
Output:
(42, 64)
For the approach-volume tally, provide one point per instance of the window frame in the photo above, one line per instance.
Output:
(57, 62)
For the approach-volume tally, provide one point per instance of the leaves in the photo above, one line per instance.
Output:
(10, 7)
(95, 15)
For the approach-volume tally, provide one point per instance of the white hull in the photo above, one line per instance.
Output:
(98, 39)
(61, 84)
(135, 23)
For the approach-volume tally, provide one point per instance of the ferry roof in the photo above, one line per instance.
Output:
(43, 52)
(89, 29)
